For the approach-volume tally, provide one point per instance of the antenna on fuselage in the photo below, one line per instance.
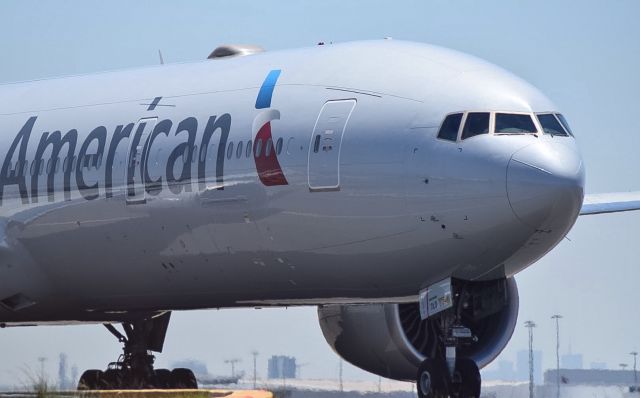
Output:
(161, 59)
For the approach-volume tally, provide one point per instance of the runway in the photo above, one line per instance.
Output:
(200, 393)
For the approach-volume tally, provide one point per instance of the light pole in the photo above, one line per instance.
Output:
(233, 363)
(42, 360)
(557, 317)
(530, 325)
(255, 373)
(635, 372)
(340, 376)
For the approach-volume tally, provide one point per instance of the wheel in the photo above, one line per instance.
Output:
(162, 379)
(470, 380)
(90, 380)
(431, 380)
(132, 380)
(184, 379)
(111, 380)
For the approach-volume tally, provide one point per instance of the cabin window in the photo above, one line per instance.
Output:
(476, 123)
(316, 144)
(194, 154)
(239, 150)
(512, 123)
(258, 147)
(279, 144)
(267, 150)
(551, 125)
(450, 126)
(247, 152)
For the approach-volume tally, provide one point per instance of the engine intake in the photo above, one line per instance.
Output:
(390, 340)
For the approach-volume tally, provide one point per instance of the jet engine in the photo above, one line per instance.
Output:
(391, 340)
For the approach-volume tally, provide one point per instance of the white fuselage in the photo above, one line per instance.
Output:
(134, 191)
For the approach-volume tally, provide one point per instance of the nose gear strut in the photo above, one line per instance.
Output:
(448, 374)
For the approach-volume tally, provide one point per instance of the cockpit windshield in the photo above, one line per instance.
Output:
(565, 124)
(551, 125)
(463, 125)
(514, 123)
(477, 123)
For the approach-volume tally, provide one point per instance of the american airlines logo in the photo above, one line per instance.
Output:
(268, 167)
(75, 158)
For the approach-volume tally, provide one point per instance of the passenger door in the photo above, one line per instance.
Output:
(324, 148)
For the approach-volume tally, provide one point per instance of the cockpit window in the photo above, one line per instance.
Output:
(551, 125)
(477, 123)
(565, 124)
(450, 126)
(513, 123)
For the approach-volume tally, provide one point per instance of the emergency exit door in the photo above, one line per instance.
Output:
(324, 148)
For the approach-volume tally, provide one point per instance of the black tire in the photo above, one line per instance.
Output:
(90, 380)
(163, 379)
(470, 378)
(112, 379)
(431, 380)
(184, 379)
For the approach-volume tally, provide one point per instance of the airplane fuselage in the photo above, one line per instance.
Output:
(310, 176)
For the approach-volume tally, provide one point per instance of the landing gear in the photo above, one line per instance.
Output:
(432, 379)
(446, 374)
(435, 381)
(134, 369)
(468, 376)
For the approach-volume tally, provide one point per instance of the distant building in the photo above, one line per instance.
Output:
(597, 377)
(281, 367)
(501, 371)
(571, 361)
(522, 366)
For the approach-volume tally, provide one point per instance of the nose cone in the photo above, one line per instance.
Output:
(545, 185)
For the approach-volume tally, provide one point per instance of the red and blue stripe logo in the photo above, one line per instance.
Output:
(264, 150)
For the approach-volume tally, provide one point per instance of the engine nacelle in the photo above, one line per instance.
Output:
(390, 340)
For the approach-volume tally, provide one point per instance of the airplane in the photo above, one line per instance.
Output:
(397, 186)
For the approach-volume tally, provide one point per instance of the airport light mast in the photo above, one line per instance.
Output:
(557, 317)
(42, 360)
(635, 372)
(255, 374)
(340, 376)
(530, 325)
(233, 363)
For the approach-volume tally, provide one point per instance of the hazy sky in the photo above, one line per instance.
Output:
(585, 55)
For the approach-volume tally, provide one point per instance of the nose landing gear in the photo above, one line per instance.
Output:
(435, 379)
(134, 369)
(446, 374)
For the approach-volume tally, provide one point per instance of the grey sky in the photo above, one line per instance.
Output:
(585, 55)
